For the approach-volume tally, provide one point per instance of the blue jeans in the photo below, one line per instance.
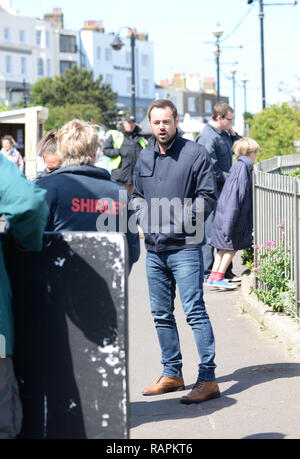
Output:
(185, 268)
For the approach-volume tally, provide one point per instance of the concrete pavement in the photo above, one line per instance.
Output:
(259, 377)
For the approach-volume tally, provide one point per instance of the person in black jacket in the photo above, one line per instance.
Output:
(233, 223)
(123, 147)
(173, 194)
(80, 195)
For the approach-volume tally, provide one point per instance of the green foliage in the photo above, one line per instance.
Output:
(76, 87)
(275, 129)
(272, 268)
(247, 257)
(58, 116)
(295, 173)
(3, 107)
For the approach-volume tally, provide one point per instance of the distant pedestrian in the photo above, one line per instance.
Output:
(123, 146)
(47, 151)
(218, 137)
(233, 224)
(10, 152)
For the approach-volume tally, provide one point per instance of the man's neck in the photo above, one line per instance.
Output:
(215, 124)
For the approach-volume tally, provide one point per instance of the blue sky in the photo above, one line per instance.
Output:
(180, 32)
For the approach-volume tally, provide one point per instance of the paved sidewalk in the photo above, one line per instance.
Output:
(259, 377)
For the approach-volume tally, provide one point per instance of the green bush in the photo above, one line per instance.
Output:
(275, 129)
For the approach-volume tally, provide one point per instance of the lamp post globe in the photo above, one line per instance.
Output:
(117, 43)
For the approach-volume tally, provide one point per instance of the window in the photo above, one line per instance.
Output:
(47, 39)
(191, 104)
(208, 106)
(108, 54)
(67, 44)
(38, 37)
(6, 34)
(22, 36)
(40, 67)
(128, 58)
(145, 60)
(8, 64)
(23, 65)
(145, 87)
(128, 85)
(64, 65)
(49, 68)
(108, 79)
(98, 53)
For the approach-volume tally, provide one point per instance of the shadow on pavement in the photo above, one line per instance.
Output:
(258, 374)
(160, 409)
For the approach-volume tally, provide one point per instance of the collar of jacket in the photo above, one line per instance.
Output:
(245, 159)
(153, 144)
(147, 161)
(84, 169)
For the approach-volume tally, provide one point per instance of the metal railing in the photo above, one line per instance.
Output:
(276, 198)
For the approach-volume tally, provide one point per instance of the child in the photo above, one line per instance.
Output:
(233, 223)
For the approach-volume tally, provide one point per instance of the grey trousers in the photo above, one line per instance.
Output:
(10, 404)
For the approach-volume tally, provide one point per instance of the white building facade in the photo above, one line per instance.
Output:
(31, 49)
(115, 66)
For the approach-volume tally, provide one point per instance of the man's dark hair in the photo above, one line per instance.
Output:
(163, 103)
(221, 109)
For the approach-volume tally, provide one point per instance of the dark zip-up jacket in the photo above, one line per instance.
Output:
(78, 195)
(219, 147)
(129, 153)
(184, 172)
(233, 223)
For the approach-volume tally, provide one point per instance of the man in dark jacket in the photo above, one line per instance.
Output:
(173, 180)
(218, 137)
(81, 196)
(124, 146)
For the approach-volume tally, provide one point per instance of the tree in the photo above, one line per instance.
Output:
(275, 129)
(77, 87)
(58, 116)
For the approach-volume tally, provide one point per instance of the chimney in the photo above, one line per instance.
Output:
(56, 18)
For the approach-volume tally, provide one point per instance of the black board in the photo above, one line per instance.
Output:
(70, 315)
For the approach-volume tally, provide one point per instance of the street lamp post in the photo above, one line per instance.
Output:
(117, 44)
(245, 80)
(262, 53)
(233, 71)
(262, 48)
(218, 32)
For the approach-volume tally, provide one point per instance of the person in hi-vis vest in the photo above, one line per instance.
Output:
(123, 147)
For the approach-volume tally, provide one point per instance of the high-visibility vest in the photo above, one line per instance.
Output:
(118, 139)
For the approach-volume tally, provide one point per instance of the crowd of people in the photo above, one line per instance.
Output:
(192, 243)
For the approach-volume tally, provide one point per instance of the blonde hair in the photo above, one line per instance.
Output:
(77, 143)
(245, 146)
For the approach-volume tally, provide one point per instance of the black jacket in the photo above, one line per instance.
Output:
(185, 172)
(219, 146)
(78, 195)
(129, 153)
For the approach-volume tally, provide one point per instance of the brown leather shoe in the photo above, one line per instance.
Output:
(165, 384)
(202, 390)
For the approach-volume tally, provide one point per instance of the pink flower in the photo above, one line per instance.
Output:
(257, 269)
(255, 246)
